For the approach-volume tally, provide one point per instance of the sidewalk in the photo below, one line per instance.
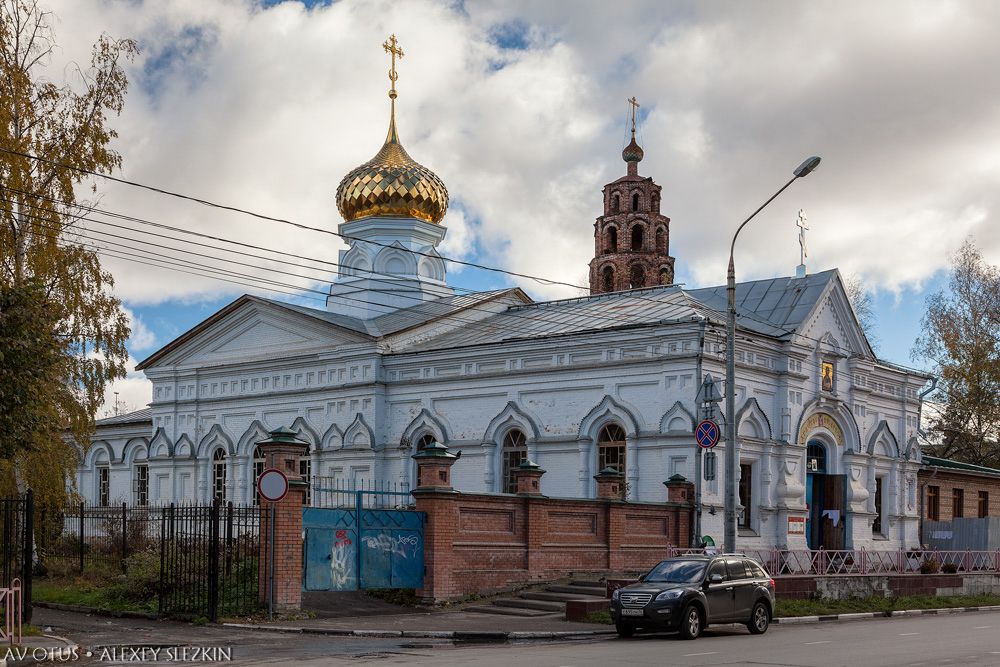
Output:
(454, 624)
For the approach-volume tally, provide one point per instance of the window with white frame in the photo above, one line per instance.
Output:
(746, 494)
(514, 453)
(305, 470)
(877, 523)
(219, 474)
(141, 484)
(258, 470)
(611, 448)
(103, 486)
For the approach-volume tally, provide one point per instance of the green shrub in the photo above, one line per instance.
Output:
(949, 568)
(930, 566)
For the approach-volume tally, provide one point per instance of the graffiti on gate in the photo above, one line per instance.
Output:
(395, 544)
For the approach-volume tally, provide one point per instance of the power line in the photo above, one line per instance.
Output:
(613, 319)
(299, 225)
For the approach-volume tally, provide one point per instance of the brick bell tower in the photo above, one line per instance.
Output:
(632, 238)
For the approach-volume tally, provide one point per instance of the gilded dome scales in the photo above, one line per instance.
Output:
(392, 184)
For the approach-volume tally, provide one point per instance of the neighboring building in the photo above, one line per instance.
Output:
(956, 490)
(398, 359)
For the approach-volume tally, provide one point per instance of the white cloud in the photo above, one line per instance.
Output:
(134, 392)
(142, 337)
(267, 108)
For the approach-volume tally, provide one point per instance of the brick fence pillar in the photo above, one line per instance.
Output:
(609, 484)
(529, 479)
(282, 450)
(680, 497)
(435, 497)
(529, 486)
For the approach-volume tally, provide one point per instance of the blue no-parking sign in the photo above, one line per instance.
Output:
(707, 434)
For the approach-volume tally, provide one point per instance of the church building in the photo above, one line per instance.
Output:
(398, 358)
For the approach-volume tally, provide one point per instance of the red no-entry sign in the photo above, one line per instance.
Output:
(272, 485)
(706, 434)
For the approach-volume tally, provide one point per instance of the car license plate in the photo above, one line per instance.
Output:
(631, 612)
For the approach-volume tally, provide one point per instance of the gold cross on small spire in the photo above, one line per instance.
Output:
(391, 47)
(635, 106)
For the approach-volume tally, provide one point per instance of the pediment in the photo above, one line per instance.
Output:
(252, 329)
(833, 326)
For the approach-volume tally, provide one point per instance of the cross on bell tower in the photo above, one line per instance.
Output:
(632, 238)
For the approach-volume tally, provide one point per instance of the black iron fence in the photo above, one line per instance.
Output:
(209, 558)
(207, 554)
(16, 548)
(85, 538)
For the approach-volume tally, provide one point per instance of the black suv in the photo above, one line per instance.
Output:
(690, 592)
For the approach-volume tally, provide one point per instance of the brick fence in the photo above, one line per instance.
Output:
(483, 543)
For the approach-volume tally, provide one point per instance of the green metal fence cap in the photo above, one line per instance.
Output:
(530, 465)
(434, 450)
(609, 472)
(283, 436)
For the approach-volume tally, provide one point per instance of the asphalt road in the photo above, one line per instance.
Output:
(953, 639)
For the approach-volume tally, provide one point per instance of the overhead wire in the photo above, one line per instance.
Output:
(612, 319)
(262, 216)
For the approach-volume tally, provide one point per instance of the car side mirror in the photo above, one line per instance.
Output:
(715, 579)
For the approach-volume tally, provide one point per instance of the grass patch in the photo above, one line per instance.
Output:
(110, 596)
(787, 608)
(603, 617)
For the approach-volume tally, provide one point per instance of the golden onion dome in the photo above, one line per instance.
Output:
(392, 184)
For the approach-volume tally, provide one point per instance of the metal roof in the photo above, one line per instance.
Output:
(642, 307)
(949, 464)
(136, 417)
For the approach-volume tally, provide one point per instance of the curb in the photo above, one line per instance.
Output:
(52, 653)
(866, 615)
(466, 636)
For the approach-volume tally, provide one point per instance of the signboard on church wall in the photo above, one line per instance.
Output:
(796, 525)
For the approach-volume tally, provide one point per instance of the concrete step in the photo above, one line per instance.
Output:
(589, 583)
(594, 591)
(510, 611)
(557, 597)
(541, 605)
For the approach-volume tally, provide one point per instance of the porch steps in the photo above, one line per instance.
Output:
(523, 603)
(509, 611)
(548, 602)
(593, 591)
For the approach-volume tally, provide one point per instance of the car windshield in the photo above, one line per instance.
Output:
(677, 572)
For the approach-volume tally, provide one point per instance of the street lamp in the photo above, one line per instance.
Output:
(732, 456)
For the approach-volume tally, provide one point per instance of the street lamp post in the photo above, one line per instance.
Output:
(732, 455)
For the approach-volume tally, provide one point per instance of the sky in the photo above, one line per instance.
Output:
(520, 108)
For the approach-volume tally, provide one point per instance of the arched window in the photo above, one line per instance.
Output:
(611, 448)
(515, 452)
(424, 441)
(615, 202)
(608, 279)
(635, 201)
(665, 276)
(661, 241)
(612, 239)
(636, 277)
(305, 471)
(219, 474)
(638, 237)
(258, 468)
(815, 457)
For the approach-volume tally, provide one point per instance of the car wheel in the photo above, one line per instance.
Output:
(760, 619)
(624, 629)
(691, 622)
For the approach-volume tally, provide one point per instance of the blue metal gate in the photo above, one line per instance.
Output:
(365, 546)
